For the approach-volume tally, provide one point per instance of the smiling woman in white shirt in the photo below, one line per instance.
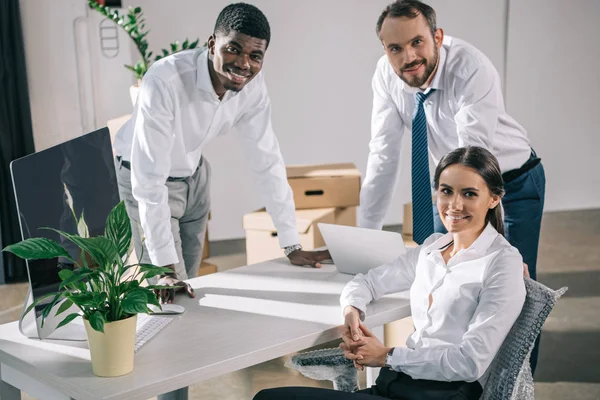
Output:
(466, 292)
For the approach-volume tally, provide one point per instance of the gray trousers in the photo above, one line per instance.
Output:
(189, 201)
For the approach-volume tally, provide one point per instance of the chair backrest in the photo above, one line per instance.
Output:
(509, 375)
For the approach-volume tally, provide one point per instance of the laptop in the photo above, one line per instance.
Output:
(357, 250)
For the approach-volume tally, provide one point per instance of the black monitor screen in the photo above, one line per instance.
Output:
(54, 187)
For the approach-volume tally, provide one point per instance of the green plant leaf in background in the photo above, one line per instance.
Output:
(118, 229)
(97, 321)
(135, 302)
(37, 248)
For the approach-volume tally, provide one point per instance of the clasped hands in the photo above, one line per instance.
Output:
(360, 344)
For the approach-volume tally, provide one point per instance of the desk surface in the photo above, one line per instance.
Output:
(239, 318)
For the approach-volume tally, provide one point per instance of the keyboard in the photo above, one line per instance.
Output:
(147, 327)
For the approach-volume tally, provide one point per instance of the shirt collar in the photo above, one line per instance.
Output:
(478, 247)
(203, 81)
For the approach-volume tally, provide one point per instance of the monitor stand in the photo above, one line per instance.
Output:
(74, 330)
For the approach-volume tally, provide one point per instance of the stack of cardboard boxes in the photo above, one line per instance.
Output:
(326, 193)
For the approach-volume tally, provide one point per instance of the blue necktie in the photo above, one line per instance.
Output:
(421, 181)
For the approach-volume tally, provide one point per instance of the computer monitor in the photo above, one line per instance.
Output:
(79, 172)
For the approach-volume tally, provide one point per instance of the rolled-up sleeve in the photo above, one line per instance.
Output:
(394, 277)
(152, 139)
(266, 162)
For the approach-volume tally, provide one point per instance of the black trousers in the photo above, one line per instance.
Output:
(389, 385)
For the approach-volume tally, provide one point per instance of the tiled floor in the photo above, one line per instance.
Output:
(569, 362)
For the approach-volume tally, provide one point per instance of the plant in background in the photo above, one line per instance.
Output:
(134, 24)
(101, 284)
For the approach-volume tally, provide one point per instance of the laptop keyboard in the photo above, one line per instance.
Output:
(147, 327)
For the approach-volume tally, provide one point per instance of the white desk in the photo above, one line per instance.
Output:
(239, 318)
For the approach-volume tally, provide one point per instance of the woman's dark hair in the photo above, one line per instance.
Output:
(486, 165)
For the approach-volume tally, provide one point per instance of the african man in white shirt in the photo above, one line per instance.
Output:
(449, 95)
(466, 292)
(186, 100)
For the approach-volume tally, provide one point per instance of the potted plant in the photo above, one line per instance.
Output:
(107, 291)
(134, 24)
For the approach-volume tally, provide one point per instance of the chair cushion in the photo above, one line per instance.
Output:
(509, 375)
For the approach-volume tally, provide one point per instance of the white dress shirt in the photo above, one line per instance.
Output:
(176, 114)
(467, 109)
(477, 297)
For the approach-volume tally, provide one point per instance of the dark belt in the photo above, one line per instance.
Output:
(515, 173)
(127, 165)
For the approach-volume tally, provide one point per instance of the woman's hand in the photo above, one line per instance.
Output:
(351, 332)
(367, 351)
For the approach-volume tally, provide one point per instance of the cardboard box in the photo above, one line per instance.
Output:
(326, 185)
(206, 268)
(262, 243)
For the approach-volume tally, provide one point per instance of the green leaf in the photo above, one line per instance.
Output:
(49, 307)
(194, 44)
(65, 274)
(37, 248)
(38, 301)
(97, 321)
(64, 306)
(118, 228)
(67, 319)
(81, 300)
(185, 44)
(151, 297)
(174, 46)
(101, 249)
(165, 52)
(134, 302)
(150, 271)
(77, 277)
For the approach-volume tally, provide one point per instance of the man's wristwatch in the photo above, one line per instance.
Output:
(290, 249)
(388, 358)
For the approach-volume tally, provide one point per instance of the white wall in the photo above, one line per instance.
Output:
(318, 70)
(553, 82)
(73, 88)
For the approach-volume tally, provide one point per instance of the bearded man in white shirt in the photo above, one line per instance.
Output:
(186, 100)
(449, 95)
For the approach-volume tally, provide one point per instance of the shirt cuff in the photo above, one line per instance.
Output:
(165, 256)
(288, 238)
(399, 358)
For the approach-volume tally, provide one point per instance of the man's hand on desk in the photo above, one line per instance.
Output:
(310, 258)
(168, 295)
